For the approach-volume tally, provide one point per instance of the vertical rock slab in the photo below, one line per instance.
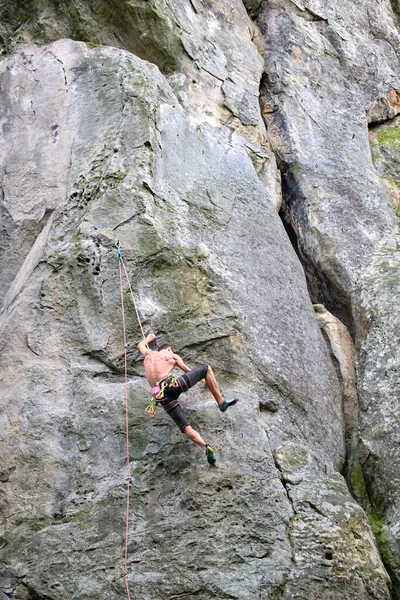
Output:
(379, 360)
(379, 399)
(324, 67)
(214, 273)
(327, 527)
(330, 72)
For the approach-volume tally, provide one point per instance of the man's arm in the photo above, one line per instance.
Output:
(180, 364)
(143, 344)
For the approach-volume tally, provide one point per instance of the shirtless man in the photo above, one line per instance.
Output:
(166, 388)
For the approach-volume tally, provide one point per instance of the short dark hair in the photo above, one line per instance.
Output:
(164, 347)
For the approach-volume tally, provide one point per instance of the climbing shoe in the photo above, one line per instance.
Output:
(227, 403)
(210, 454)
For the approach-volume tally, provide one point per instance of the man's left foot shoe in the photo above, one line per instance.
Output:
(227, 403)
(210, 454)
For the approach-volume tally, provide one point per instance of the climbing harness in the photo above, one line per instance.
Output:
(123, 271)
(170, 381)
(158, 392)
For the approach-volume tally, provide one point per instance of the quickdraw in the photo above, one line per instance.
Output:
(169, 382)
(151, 408)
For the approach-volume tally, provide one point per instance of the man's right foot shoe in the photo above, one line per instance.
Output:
(227, 403)
(210, 454)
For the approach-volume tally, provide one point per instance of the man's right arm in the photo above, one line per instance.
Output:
(143, 344)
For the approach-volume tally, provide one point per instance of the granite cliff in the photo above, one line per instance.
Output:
(247, 157)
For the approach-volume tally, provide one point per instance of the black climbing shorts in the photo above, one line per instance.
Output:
(170, 402)
(178, 417)
(195, 375)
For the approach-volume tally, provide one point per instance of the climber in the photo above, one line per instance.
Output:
(167, 388)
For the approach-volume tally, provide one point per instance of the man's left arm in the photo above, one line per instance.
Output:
(180, 364)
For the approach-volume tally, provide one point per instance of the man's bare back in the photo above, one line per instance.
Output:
(159, 364)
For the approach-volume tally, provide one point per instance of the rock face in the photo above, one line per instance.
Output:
(335, 64)
(379, 359)
(337, 73)
(342, 349)
(156, 139)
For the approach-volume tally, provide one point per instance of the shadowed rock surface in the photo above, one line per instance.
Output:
(170, 155)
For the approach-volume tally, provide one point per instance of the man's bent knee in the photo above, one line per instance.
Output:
(195, 375)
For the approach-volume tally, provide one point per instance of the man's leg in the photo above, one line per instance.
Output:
(204, 372)
(197, 439)
(178, 416)
(193, 376)
(212, 385)
(194, 436)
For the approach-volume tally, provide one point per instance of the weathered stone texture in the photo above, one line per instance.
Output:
(330, 70)
(334, 63)
(379, 364)
(181, 212)
(100, 145)
(326, 528)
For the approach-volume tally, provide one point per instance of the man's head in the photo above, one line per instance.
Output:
(165, 347)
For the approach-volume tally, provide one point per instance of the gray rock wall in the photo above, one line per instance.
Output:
(170, 155)
(337, 74)
(378, 362)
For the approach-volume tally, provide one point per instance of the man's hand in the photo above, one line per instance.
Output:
(143, 345)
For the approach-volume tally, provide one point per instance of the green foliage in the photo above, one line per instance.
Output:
(385, 151)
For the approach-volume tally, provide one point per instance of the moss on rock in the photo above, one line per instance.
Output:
(389, 135)
(385, 151)
(379, 529)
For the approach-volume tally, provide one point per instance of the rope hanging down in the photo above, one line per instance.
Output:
(122, 269)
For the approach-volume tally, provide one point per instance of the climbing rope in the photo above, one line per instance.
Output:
(132, 297)
(122, 270)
